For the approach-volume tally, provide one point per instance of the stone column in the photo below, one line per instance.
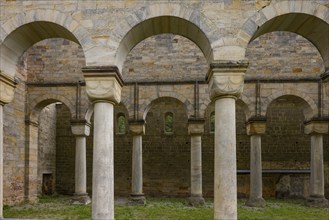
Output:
(255, 129)
(31, 160)
(316, 129)
(81, 129)
(226, 80)
(103, 87)
(7, 87)
(137, 129)
(195, 130)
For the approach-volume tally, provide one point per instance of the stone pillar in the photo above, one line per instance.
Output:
(137, 129)
(81, 129)
(103, 87)
(195, 130)
(225, 80)
(255, 129)
(7, 87)
(316, 129)
(31, 160)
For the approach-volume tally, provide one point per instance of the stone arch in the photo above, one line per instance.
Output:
(310, 107)
(306, 18)
(42, 101)
(245, 104)
(163, 18)
(20, 32)
(146, 106)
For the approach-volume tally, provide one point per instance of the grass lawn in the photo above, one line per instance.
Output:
(59, 207)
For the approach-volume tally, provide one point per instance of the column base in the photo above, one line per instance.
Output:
(81, 199)
(137, 199)
(196, 201)
(256, 202)
(318, 202)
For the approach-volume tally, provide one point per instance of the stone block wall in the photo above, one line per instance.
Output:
(14, 185)
(65, 151)
(47, 150)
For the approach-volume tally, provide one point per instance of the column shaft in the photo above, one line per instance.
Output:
(103, 170)
(225, 180)
(196, 166)
(80, 166)
(137, 169)
(1, 161)
(317, 172)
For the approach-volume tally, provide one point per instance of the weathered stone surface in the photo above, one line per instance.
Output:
(7, 86)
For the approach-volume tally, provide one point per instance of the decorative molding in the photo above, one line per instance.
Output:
(7, 89)
(103, 84)
(80, 127)
(226, 78)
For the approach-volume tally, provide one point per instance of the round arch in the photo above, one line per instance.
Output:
(305, 18)
(310, 108)
(39, 103)
(19, 33)
(148, 104)
(160, 19)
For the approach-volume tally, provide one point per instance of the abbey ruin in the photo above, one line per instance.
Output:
(175, 98)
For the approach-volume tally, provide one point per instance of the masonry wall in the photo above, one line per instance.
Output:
(14, 141)
(47, 150)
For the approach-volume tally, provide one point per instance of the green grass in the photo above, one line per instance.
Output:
(59, 207)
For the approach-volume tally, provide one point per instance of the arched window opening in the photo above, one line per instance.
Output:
(212, 122)
(121, 119)
(169, 122)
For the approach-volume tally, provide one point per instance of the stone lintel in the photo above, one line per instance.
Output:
(256, 126)
(226, 78)
(316, 127)
(80, 127)
(196, 126)
(137, 127)
(103, 83)
(7, 88)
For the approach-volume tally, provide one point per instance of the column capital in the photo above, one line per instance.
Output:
(137, 127)
(226, 78)
(103, 83)
(80, 128)
(316, 126)
(196, 126)
(256, 126)
(7, 88)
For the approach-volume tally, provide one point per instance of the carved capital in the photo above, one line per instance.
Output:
(103, 84)
(7, 89)
(256, 128)
(137, 127)
(80, 127)
(226, 78)
(256, 125)
(196, 126)
(316, 127)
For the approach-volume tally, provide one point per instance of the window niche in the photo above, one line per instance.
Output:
(121, 123)
(169, 122)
